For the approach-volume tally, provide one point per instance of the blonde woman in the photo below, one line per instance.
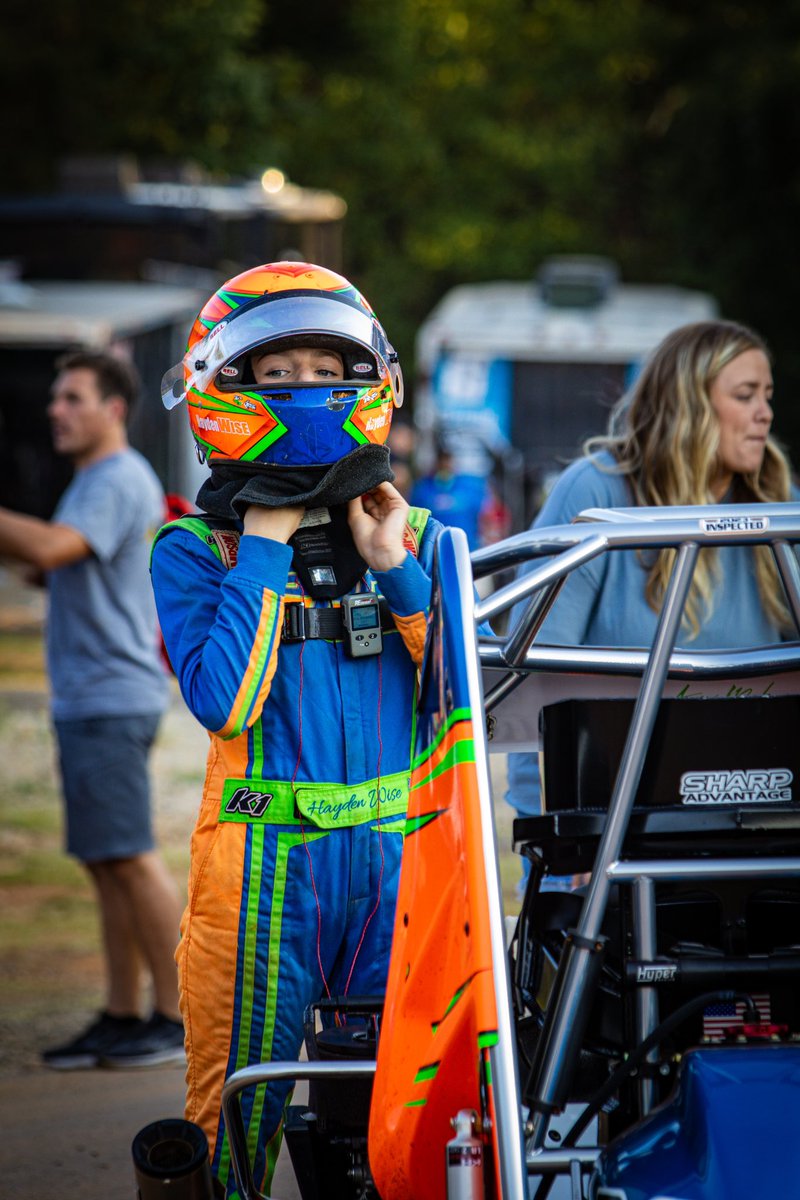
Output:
(694, 429)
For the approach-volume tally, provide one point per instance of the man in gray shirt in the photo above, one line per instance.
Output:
(109, 688)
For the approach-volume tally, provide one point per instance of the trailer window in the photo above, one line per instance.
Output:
(557, 405)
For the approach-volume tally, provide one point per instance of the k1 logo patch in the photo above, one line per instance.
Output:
(248, 803)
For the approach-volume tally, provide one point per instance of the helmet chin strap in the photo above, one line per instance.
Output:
(325, 556)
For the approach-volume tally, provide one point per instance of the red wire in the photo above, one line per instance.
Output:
(380, 832)
(306, 846)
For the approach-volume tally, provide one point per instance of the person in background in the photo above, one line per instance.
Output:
(109, 690)
(454, 498)
(694, 429)
(402, 446)
(294, 610)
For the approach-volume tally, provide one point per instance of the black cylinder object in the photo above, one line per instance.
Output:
(343, 1103)
(170, 1161)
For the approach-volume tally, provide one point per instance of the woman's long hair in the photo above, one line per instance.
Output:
(664, 437)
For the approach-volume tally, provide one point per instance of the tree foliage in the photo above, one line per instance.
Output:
(470, 138)
(473, 137)
(163, 80)
(469, 141)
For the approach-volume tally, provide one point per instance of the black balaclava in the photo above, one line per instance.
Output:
(325, 556)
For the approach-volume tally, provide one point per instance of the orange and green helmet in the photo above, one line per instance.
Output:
(273, 308)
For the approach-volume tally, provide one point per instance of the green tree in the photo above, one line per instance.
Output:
(172, 80)
(473, 137)
(468, 139)
(718, 180)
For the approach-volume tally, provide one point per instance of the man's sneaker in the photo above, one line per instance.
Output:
(84, 1051)
(158, 1040)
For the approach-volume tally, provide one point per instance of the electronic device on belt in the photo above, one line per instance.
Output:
(362, 623)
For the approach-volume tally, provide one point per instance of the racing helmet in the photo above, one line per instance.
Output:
(273, 308)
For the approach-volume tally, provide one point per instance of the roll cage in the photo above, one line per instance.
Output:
(516, 664)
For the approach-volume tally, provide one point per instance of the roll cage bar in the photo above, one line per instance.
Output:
(566, 548)
(509, 660)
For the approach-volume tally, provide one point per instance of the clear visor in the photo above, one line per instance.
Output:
(275, 319)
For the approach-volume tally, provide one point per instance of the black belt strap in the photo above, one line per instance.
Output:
(300, 623)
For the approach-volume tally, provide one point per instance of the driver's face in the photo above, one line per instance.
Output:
(303, 364)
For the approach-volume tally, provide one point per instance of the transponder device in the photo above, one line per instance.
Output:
(362, 621)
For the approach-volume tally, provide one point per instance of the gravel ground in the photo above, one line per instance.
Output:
(52, 967)
(69, 1133)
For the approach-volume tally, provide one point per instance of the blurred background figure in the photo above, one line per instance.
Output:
(402, 442)
(109, 689)
(494, 519)
(467, 502)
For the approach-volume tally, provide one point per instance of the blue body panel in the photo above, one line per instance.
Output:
(728, 1132)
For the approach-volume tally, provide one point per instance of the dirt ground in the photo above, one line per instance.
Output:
(69, 1133)
(51, 961)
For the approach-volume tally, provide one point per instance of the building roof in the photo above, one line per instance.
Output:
(92, 314)
(512, 320)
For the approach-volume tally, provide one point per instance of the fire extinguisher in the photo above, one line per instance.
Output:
(465, 1159)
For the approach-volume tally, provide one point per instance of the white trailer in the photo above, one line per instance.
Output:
(514, 375)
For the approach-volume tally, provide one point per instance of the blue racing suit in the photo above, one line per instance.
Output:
(296, 852)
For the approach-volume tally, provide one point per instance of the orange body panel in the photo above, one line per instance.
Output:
(440, 1009)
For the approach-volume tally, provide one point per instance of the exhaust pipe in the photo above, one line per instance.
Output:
(170, 1161)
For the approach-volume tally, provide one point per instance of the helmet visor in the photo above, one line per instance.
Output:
(295, 317)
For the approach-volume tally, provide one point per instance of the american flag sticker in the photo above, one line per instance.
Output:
(719, 1018)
